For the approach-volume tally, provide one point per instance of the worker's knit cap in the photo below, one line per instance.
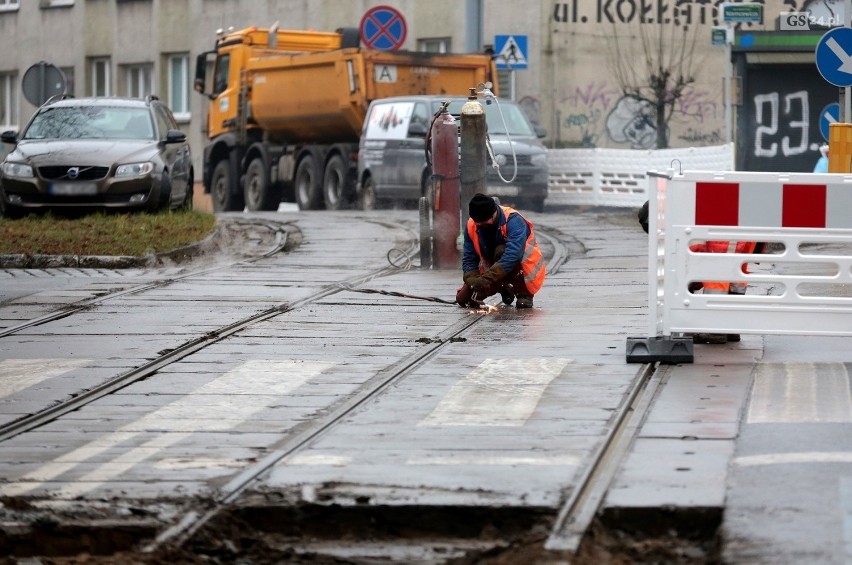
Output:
(481, 207)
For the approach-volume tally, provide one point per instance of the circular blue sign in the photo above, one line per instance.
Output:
(834, 56)
(829, 115)
(383, 28)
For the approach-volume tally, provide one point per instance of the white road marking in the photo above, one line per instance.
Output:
(798, 457)
(499, 392)
(18, 374)
(251, 388)
(319, 459)
(485, 459)
(800, 393)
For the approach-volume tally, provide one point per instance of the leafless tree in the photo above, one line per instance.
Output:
(655, 63)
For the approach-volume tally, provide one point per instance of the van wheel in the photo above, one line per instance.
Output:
(309, 183)
(260, 194)
(189, 194)
(224, 199)
(334, 183)
(368, 194)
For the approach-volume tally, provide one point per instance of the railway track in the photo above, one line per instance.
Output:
(577, 509)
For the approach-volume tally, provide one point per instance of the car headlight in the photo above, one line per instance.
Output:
(539, 160)
(17, 170)
(134, 169)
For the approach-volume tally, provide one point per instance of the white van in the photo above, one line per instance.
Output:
(392, 159)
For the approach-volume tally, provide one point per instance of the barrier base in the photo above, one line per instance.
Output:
(667, 350)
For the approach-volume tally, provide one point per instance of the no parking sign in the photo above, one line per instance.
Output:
(383, 28)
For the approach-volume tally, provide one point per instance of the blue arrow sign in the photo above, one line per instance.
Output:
(829, 115)
(834, 56)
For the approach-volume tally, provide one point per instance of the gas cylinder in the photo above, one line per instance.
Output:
(446, 203)
(473, 156)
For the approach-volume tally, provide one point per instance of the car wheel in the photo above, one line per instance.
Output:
(164, 200)
(224, 199)
(189, 196)
(260, 194)
(308, 183)
(334, 183)
(368, 194)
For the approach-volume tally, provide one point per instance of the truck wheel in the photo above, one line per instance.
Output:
(368, 194)
(260, 194)
(224, 199)
(308, 183)
(335, 183)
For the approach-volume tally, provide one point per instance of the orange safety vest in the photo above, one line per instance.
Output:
(717, 287)
(532, 262)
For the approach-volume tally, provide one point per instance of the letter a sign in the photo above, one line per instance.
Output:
(511, 51)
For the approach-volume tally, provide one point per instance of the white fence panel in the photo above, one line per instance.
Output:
(811, 278)
(616, 177)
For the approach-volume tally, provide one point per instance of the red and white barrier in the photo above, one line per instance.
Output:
(805, 287)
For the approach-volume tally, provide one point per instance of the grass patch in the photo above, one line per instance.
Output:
(104, 234)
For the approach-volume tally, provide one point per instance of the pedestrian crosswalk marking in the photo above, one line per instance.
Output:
(499, 392)
(248, 388)
(800, 393)
(19, 374)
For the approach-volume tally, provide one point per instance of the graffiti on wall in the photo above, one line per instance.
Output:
(597, 110)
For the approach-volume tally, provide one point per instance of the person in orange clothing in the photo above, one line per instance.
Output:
(713, 287)
(720, 287)
(500, 255)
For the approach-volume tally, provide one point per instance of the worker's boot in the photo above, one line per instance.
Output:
(524, 301)
(507, 293)
(712, 339)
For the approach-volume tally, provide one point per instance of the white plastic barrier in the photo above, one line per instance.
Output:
(807, 217)
(616, 177)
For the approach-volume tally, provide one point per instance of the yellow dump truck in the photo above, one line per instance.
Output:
(286, 110)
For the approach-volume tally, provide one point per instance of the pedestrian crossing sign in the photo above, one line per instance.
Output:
(511, 51)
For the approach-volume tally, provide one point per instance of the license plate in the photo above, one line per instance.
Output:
(74, 188)
(505, 190)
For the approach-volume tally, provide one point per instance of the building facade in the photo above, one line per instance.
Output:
(580, 57)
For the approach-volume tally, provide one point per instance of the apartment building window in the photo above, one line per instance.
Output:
(138, 81)
(179, 86)
(99, 69)
(9, 5)
(56, 3)
(434, 45)
(8, 101)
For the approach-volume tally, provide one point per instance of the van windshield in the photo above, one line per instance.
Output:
(516, 121)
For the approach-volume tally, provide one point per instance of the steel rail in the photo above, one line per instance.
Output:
(280, 243)
(46, 415)
(192, 522)
(578, 511)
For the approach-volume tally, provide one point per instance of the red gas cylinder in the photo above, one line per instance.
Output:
(445, 169)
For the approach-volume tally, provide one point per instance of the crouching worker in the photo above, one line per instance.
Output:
(500, 255)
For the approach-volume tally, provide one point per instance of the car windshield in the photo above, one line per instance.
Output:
(91, 122)
(516, 121)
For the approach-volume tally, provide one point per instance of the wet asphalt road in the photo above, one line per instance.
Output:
(508, 416)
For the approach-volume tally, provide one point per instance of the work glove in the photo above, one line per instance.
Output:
(486, 280)
(469, 276)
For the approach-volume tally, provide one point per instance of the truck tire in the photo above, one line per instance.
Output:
(334, 183)
(224, 199)
(260, 194)
(309, 183)
(367, 200)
